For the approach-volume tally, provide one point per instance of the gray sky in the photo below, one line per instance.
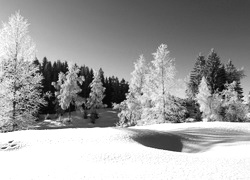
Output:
(113, 33)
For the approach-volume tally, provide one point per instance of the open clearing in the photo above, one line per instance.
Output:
(215, 150)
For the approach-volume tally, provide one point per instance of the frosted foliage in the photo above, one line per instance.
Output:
(160, 80)
(19, 81)
(204, 98)
(97, 92)
(229, 93)
(15, 43)
(68, 87)
(235, 110)
(138, 76)
(131, 108)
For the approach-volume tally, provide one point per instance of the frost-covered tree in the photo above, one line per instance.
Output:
(204, 99)
(138, 76)
(68, 88)
(235, 110)
(234, 74)
(97, 92)
(20, 81)
(96, 95)
(159, 83)
(131, 108)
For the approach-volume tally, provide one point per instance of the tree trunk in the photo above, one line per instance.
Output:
(15, 89)
(163, 92)
(14, 111)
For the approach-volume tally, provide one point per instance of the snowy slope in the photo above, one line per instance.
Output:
(166, 151)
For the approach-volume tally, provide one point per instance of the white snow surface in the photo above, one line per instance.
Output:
(210, 150)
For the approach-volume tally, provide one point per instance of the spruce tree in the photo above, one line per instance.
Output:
(20, 82)
(215, 75)
(195, 77)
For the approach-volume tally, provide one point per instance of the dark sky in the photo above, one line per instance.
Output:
(113, 33)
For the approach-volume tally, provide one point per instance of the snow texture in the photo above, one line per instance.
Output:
(212, 150)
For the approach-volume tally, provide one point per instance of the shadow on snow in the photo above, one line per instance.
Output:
(190, 140)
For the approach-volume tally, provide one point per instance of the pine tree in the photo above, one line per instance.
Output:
(204, 99)
(20, 82)
(68, 88)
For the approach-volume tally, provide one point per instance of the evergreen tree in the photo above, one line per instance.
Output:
(97, 92)
(96, 95)
(212, 69)
(215, 75)
(108, 92)
(101, 72)
(123, 89)
(204, 99)
(115, 84)
(233, 74)
(20, 81)
(195, 77)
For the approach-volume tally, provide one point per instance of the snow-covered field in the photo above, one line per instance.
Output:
(166, 151)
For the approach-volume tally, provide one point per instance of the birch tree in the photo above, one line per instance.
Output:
(20, 82)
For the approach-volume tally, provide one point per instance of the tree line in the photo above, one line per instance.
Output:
(115, 89)
(213, 92)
